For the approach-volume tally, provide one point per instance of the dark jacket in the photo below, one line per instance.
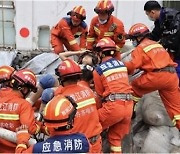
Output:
(167, 31)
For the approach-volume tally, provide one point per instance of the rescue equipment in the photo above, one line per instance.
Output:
(11, 136)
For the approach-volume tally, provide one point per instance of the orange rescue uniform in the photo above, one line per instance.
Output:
(114, 29)
(15, 111)
(110, 77)
(86, 120)
(151, 57)
(64, 33)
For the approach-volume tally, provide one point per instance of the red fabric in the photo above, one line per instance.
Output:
(37, 105)
(62, 34)
(106, 28)
(86, 120)
(14, 104)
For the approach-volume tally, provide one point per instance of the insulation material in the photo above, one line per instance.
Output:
(40, 63)
(7, 57)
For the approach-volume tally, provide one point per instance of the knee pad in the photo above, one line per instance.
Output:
(47, 95)
(47, 81)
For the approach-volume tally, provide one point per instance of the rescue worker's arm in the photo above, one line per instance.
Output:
(83, 38)
(26, 116)
(65, 55)
(22, 140)
(136, 62)
(156, 32)
(119, 35)
(68, 35)
(91, 36)
(97, 83)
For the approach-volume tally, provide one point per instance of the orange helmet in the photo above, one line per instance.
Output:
(60, 112)
(106, 44)
(78, 12)
(68, 68)
(138, 30)
(5, 73)
(25, 78)
(104, 6)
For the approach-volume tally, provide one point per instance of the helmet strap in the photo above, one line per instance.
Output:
(73, 113)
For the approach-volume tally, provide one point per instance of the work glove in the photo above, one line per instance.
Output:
(22, 135)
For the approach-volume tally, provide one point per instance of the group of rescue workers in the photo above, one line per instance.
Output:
(93, 94)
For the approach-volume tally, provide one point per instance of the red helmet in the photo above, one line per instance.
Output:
(5, 73)
(77, 13)
(104, 6)
(60, 111)
(25, 77)
(138, 30)
(68, 68)
(106, 44)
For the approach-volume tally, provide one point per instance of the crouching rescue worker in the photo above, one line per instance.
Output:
(86, 120)
(159, 71)
(59, 117)
(111, 83)
(15, 110)
(68, 29)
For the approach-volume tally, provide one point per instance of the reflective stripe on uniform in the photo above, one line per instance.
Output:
(115, 70)
(108, 34)
(86, 103)
(37, 129)
(9, 116)
(78, 33)
(97, 30)
(150, 47)
(22, 146)
(116, 148)
(58, 106)
(72, 42)
(90, 39)
(174, 121)
(136, 99)
(176, 117)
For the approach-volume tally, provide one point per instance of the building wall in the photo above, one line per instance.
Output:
(33, 15)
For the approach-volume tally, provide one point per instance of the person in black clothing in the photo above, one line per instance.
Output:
(167, 28)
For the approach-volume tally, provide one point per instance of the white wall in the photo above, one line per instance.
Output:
(32, 14)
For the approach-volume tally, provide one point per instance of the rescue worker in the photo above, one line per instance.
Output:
(15, 110)
(59, 117)
(68, 29)
(86, 120)
(112, 84)
(166, 28)
(105, 25)
(5, 78)
(159, 71)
